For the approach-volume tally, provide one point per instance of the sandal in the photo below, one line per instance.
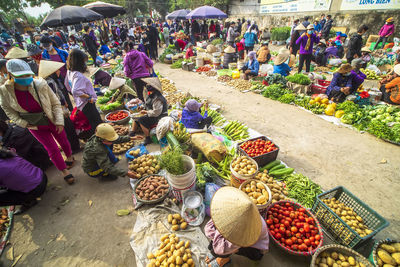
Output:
(70, 164)
(209, 258)
(69, 179)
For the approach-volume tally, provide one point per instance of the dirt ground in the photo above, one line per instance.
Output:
(64, 230)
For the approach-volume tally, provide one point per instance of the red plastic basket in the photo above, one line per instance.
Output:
(317, 89)
(323, 82)
(296, 206)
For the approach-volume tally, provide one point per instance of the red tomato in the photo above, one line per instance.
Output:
(269, 221)
(288, 233)
(294, 229)
(294, 239)
(307, 242)
(317, 243)
(312, 239)
(286, 223)
(295, 247)
(317, 237)
(289, 242)
(307, 228)
(301, 230)
(278, 236)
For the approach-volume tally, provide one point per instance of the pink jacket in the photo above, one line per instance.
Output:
(386, 30)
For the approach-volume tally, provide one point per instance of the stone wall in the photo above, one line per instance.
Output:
(350, 19)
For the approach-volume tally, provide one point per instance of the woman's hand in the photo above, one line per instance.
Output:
(59, 128)
(247, 72)
(144, 112)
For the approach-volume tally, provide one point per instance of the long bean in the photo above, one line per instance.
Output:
(302, 189)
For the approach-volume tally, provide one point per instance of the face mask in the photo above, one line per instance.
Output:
(24, 81)
(310, 32)
(38, 43)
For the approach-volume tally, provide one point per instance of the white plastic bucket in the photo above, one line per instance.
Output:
(199, 62)
(185, 182)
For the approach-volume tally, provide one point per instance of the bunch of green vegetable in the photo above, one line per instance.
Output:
(111, 106)
(217, 41)
(186, 98)
(217, 118)
(299, 78)
(169, 50)
(380, 130)
(275, 78)
(347, 107)
(258, 86)
(223, 168)
(287, 98)
(177, 64)
(302, 189)
(275, 91)
(236, 130)
(205, 173)
(280, 34)
(103, 99)
(172, 161)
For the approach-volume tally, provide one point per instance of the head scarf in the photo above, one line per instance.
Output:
(251, 56)
(192, 105)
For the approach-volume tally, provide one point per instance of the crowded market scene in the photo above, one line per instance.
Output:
(200, 133)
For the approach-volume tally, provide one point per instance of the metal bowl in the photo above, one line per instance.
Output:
(122, 121)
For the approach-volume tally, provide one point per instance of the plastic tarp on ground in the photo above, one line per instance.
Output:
(151, 224)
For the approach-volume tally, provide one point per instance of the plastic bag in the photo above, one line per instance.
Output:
(211, 147)
(335, 61)
(164, 125)
(266, 69)
(374, 68)
(211, 188)
(235, 74)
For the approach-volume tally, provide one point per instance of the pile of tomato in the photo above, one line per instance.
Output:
(117, 116)
(292, 228)
(258, 147)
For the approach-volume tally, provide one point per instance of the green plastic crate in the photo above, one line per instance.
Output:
(336, 227)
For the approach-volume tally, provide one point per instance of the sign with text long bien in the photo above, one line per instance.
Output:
(282, 6)
(369, 4)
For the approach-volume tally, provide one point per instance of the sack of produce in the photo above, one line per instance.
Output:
(210, 146)
(298, 88)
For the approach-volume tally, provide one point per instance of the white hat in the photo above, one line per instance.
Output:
(300, 27)
(18, 67)
(396, 69)
(116, 83)
(310, 27)
(90, 71)
(16, 52)
(47, 67)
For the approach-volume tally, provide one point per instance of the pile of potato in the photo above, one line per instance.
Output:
(349, 216)
(171, 252)
(172, 99)
(240, 84)
(211, 73)
(123, 147)
(278, 191)
(167, 86)
(144, 165)
(388, 255)
(120, 129)
(335, 259)
(224, 78)
(257, 192)
(177, 222)
(152, 188)
(135, 152)
(244, 166)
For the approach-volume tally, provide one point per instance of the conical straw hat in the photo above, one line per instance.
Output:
(116, 83)
(281, 58)
(47, 67)
(300, 27)
(16, 52)
(153, 82)
(90, 72)
(235, 216)
(229, 50)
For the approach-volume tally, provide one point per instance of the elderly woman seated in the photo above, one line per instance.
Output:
(341, 84)
(252, 66)
(390, 87)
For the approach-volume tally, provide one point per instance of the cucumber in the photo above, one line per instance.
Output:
(272, 164)
(277, 167)
(281, 172)
(172, 140)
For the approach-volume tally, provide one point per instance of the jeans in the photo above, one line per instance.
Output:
(46, 135)
(382, 39)
(305, 58)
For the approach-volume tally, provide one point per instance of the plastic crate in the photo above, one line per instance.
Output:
(336, 227)
(323, 82)
(317, 89)
(264, 159)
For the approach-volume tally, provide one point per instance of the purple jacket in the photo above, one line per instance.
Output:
(192, 119)
(339, 81)
(358, 79)
(302, 41)
(331, 51)
(386, 30)
(137, 64)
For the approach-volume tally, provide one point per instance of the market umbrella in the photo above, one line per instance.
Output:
(206, 12)
(69, 15)
(178, 14)
(106, 9)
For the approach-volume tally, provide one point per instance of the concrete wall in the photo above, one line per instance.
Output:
(350, 19)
